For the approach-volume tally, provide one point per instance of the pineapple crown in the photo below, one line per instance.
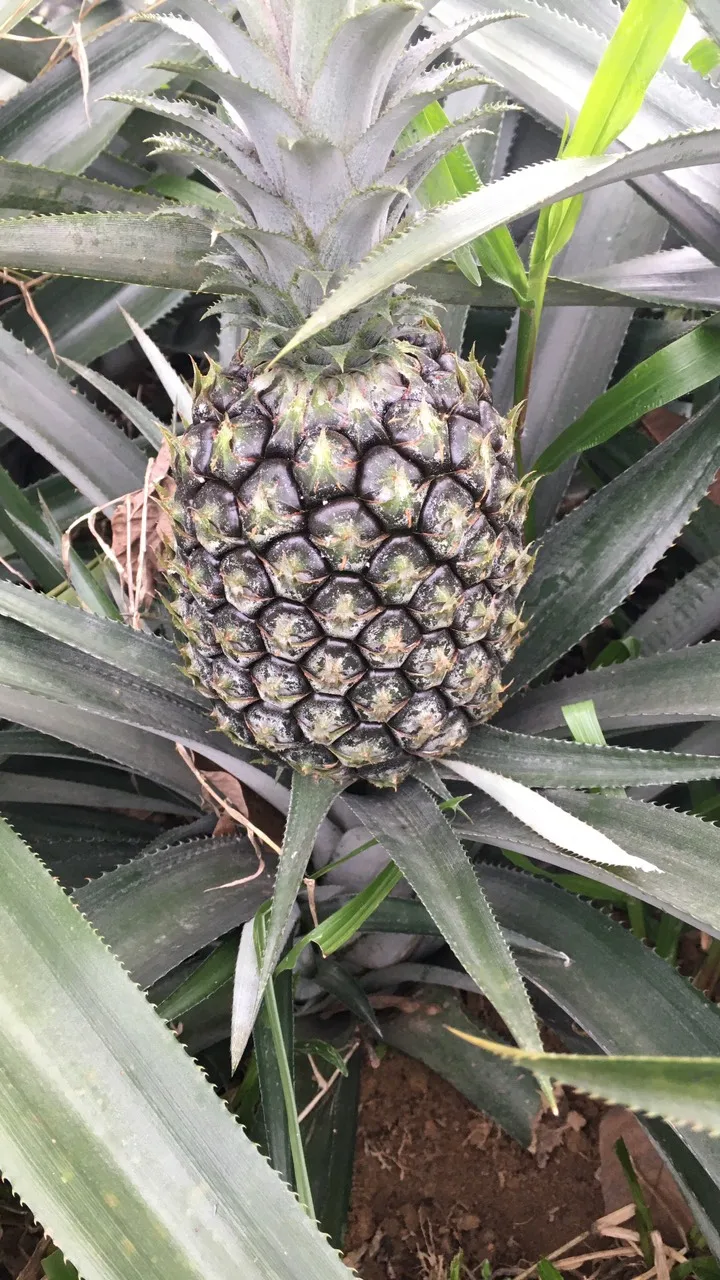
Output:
(310, 145)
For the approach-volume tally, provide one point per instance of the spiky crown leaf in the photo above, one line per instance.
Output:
(304, 143)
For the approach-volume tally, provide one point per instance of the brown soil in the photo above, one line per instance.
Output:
(433, 1175)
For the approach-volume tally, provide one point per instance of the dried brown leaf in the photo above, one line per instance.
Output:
(551, 1132)
(668, 1210)
(140, 530)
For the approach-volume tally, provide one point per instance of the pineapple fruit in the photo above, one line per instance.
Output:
(347, 519)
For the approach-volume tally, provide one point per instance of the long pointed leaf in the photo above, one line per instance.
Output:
(25, 186)
(673, 277)
(16, 510)
(143, 753)
(167, 251)
(684, 1090)
(84, 317)
(420, 842)
(159, 909)
(625, 997)
(543, 816)
(65, 428)
(683, 847)
(46, 122)
(114, 1138)
(136, 412)
(667, 375)
(173, 385)
(683, 685)
(310, 801)
(35, 664)
(547, 62)
(442, 232)
(687, 612)
(594, 558)
(550, 762)
(132, 652)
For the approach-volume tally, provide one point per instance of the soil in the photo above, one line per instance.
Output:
(22, 1244)
(433, 1175)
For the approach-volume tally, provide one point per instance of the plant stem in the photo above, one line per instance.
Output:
(636, 916)
(302, 1179)
(708, 975)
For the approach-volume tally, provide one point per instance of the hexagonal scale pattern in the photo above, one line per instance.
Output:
(348, 558)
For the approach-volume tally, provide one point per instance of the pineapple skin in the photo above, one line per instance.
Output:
(348, 554)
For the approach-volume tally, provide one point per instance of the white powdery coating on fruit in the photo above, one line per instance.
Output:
(548, 819)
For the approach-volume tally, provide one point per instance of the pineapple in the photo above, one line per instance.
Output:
(348, 519)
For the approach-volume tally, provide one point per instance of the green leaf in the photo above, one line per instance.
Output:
(615, 222)
(16, 512)
(25, 58)
(66, 429)
(703, 57)
(273, 1043)
(623, 996)
(685, 850)
(176, 389)
(684, 1090)
(142, 753)
(163, 907)
(637, 50)
(550, 762)
(329, 1138)
(338, 929)
(433, 861)
(12, 12)
(29, 788)
(115, 1140)
(59, 496)
(334, 977)
(454, 176)
(666, 689)
(594, 558)
(687, 612)
(56, 1268)
(667, 375)
(85, 584)
(132, 652)
(581, 719)
(511, 1098)
(26, 186)
(642, 1214)
(136, 412)
(37, 665)
(708, 13)
(84, 317)
(673, 277)
(547, 1271)
(542, 816)
(441, 232)
(187, 191)
(310, 801)
(211, 976)
(45, 124)
(648, 278)
(167, 252)
(25, 742)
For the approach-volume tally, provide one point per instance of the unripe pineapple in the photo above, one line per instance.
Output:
(348, 520)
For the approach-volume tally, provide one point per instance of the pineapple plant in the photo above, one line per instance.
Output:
(349, 513)
(348, 518)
